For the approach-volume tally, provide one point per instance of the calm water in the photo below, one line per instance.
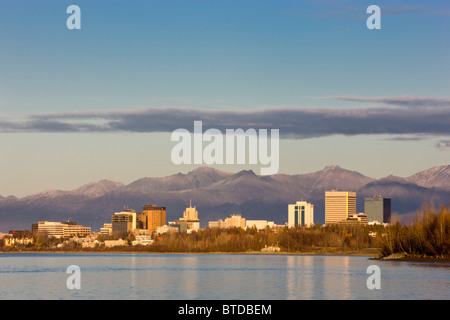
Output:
(217, 277)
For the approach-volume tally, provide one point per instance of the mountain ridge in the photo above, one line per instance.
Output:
(217, 194)
(434, 177)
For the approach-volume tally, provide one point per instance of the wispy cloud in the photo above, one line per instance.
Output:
(405, 101)
(293, 122)
(170, 100)
(407, 138)
(443, 145)
(357, 10)
(431, 9)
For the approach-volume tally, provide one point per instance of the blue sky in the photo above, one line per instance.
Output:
(139, 57)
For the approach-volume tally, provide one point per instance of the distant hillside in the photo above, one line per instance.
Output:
(437, 177)
(218, 194)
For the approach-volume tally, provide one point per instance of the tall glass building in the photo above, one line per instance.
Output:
(378, 209)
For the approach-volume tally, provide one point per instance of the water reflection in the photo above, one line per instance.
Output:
(189, 277)
(210, 276)
(318, 277)
(336, 277)
(133, 276)
(299, 277)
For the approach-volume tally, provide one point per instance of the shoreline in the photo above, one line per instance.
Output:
(311, 253)
(445, 260)
(370, 255)
(343, 253)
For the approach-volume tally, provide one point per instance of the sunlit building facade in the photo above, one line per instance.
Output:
(153, 217)
(189, 222)
(123, 222)
(234, 221)
(300, 214)
(59, 229)
(339, 206)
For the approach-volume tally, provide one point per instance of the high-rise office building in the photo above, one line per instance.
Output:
(190, 213)
(339, 205)
(189, 222)
(129, 221)
(153, 217)
(123, 222)
(378, 209)
(300, 214)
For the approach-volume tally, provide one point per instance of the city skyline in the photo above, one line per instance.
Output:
(153, 217)
(101, 102)
(217, 192)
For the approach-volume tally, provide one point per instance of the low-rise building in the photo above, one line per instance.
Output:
(106, 230)
(142, 240)
(71, 230)
(217, 224)
(353, 219)
(271, 249)
(115, 243)
(259, 224)
(86, 242)
(59, 229)
(90, 244)
(234, 221)
(167, 228)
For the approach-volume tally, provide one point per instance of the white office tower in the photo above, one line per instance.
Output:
(300, 214)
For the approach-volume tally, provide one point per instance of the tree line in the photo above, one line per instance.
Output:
(428, 235)
(333, 238)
